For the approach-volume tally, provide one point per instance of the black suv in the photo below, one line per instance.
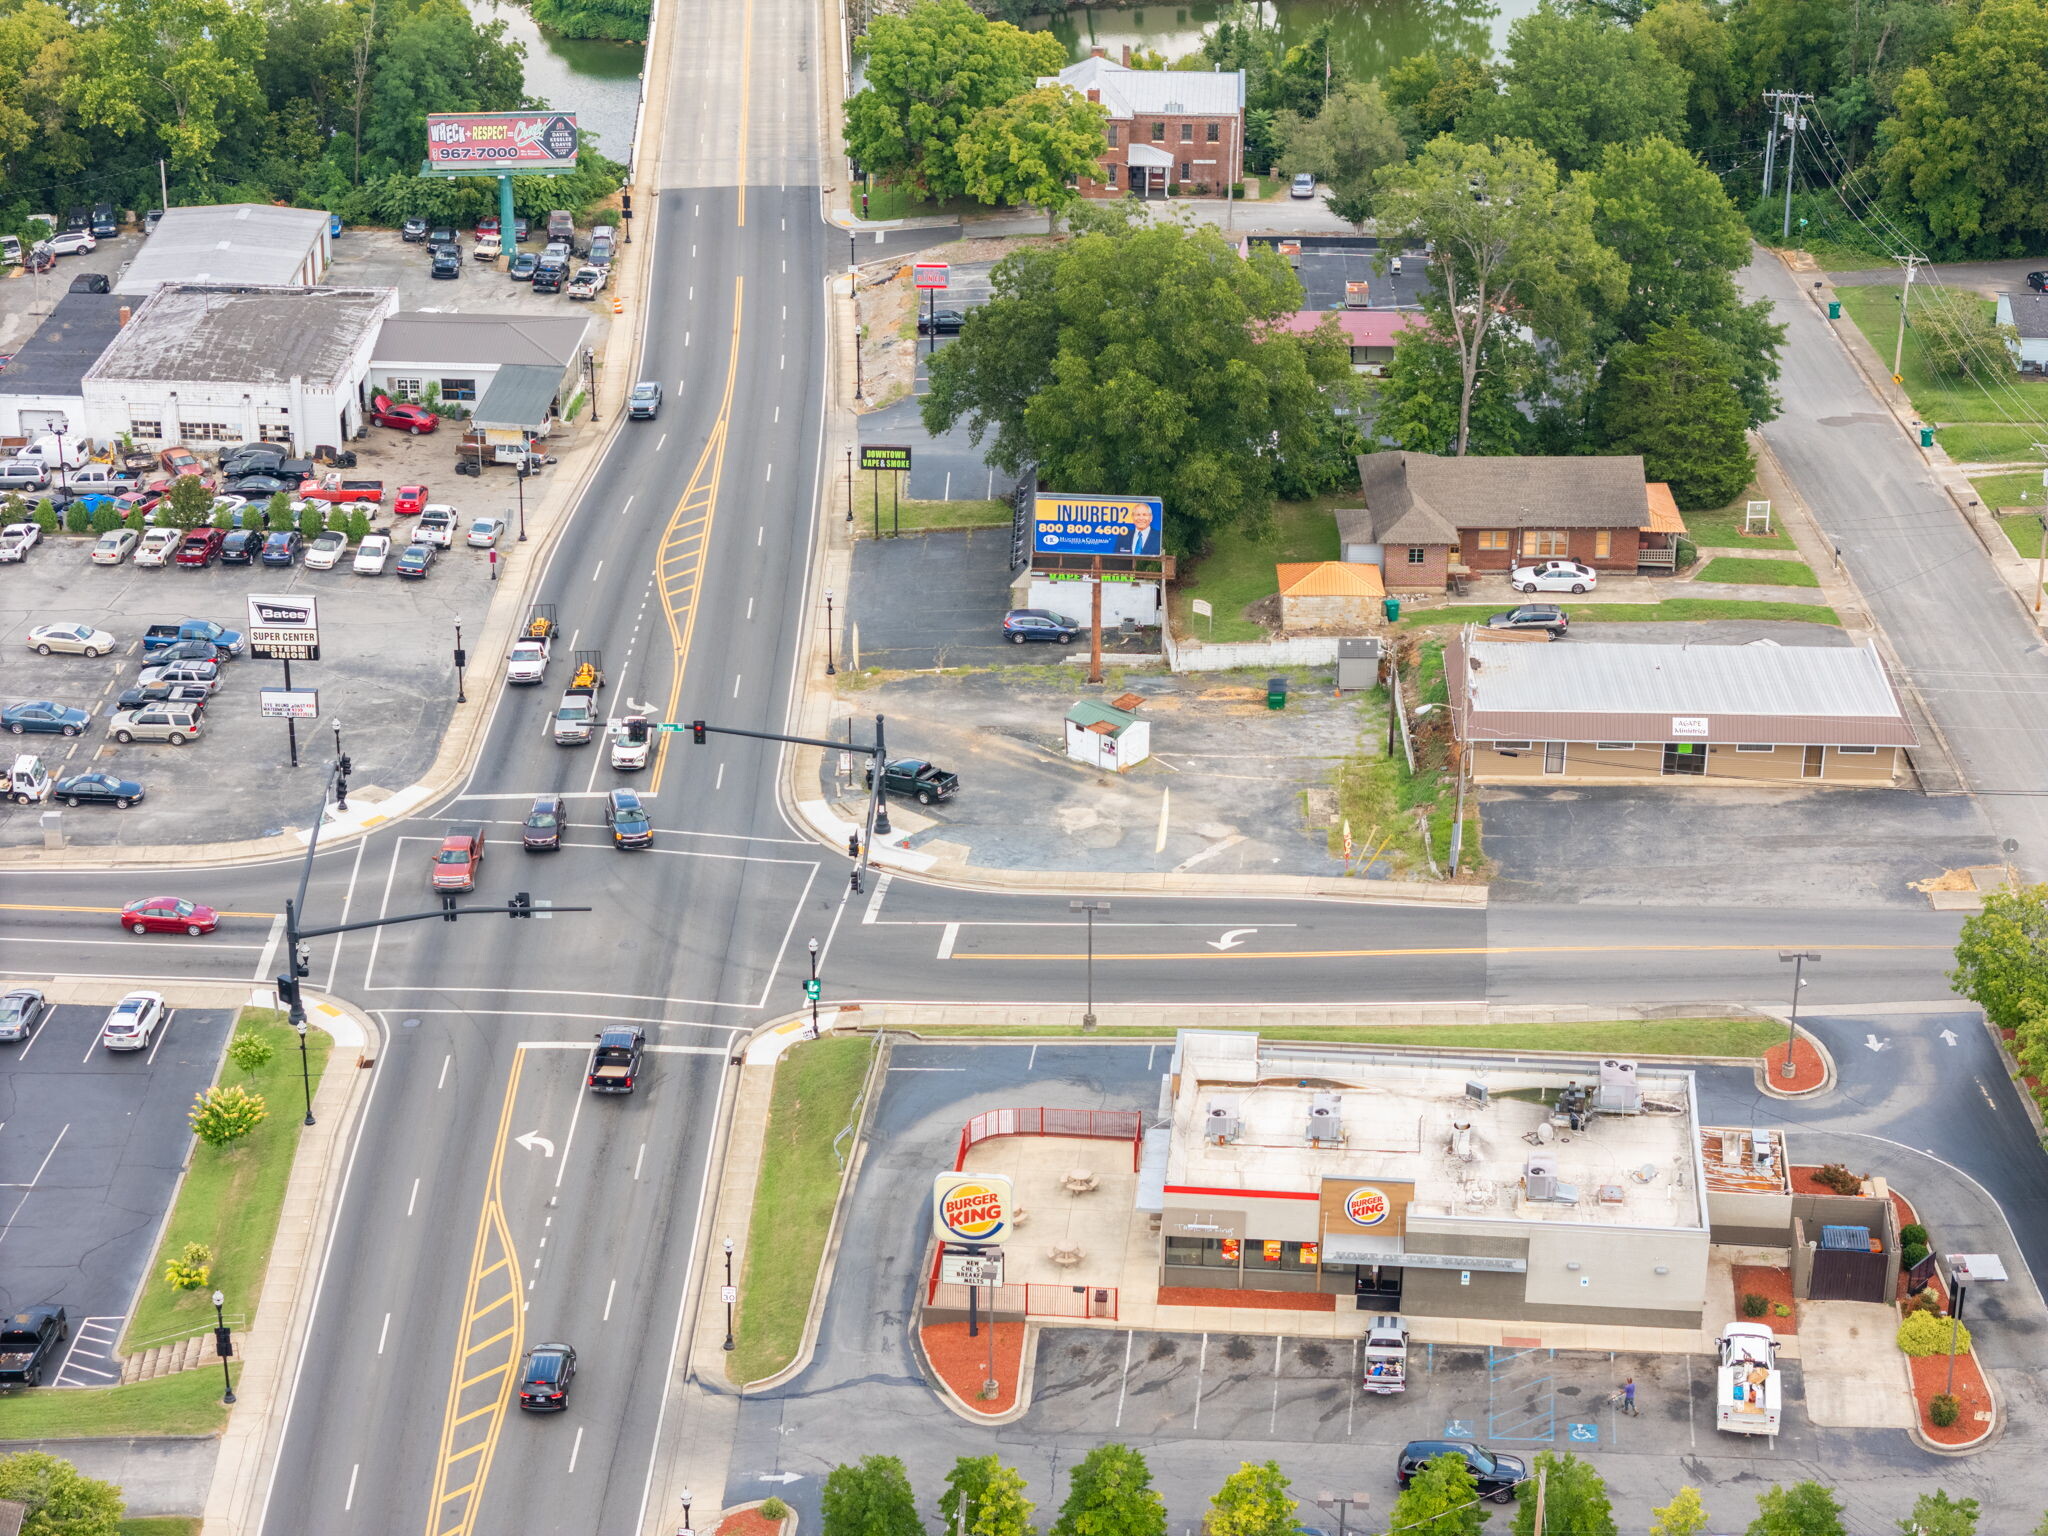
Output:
(447, 264)
(90, 282)
(241, 546)
(1533, 616)
(413, 230)
(1495, 1475)
(106, 224)
(544, 1380)
(549, 276)
(544, 824)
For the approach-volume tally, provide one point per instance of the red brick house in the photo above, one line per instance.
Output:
(1428, 519)
(1167, 127)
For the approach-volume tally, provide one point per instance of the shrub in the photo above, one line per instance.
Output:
(1754, 1305)
(1943, 1410)
(312, 520)
(190, 1270)
(1912, 1254)
(774, 1509)
(1927, 1333)
(1839, 1179)
(1782, 1309)
(358, 525)
(104, 518)
(221, 1116)
(223, 518)
(1913, 1232)
(249, 1051)
(1925, 1301)
(46, 519)
(78, 517)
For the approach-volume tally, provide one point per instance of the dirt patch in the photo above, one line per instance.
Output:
(1774, 1284)
(1808, 1071)
(1947, 880)
(1269, 1301)
(962, 1363)
(1931, 1376)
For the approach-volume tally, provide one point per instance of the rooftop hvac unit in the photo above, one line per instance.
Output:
(1476, 1092)
(1325, 1122)
(1539, 1177)
(1220, 1122)
(1619, 1093)
(1357, 295)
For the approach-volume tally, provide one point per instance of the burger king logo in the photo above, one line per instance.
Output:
(972, 1212)
(1368, 1207)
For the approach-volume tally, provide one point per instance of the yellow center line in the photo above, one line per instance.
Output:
(1478, 949)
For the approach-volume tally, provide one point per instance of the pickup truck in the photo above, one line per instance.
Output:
(1386, 1356)
(436, 526)
(615, 1060)
(588, 282)
(161, 637)
(335, 491)
(1747, 1397)
(576, 716)
(921, 781)
(459, 858)
(27, 1341)
(630, 741)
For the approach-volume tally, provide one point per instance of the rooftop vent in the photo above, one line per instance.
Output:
(1325, 1119)
(1619, 1092)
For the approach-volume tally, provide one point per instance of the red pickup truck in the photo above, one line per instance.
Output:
(460, 857)
(335, 490)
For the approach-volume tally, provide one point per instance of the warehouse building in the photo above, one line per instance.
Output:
(231, 243)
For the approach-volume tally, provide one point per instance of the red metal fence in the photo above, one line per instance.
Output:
(1033, 1300)
(1102, 1124)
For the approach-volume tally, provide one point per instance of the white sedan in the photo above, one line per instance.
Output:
(372, 553)
(75, 639)
(113, 547)
(1554, 576)
(134, 1021)
(17, 539)
(325, 552)
(485, 532)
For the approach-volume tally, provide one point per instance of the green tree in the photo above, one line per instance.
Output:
(1694, 37)
(61, 1500)
(78, 517)
(188, 505)
(1253, 1501)
(277, 512)
(1346, 145)
(2002, 958)
(1441, 1499)
(358, 525)
(1144, 362)
(436, 59)
(1416, 404)
(312, 520)
(45, 517)
(1960, 336)
(966, 1485)
(1576, 82)
(1432, 92)
(1111, 1494)
(1509, 246)
(1802, 1509)
(105, 517)
(1685, 1515)
(249, 1051)
(221, 1116)
(1936, 1514)
(929, 72)
(177, 75)
(1670, 398)
(870, 1498)
(619, 20)
(1032, 149)
(1574, 1498)
(1003, 1509)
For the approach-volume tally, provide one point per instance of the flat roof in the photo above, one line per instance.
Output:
(202, 333)
(56, 359)
(432, 337)
(225, 243)
(1399, 1118)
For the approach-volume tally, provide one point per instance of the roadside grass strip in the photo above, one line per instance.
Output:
(1673, 610)
(185, 1404)
(1737, 571)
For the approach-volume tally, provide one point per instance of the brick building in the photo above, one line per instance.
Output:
(1167, 127)
(1427, 518)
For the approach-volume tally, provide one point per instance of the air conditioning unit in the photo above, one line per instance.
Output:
(1476, 1092)
(1220, 1122)
(1619, 1093)
(1325, 1119)
(1539, 1177)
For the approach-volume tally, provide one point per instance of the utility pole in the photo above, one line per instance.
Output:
(1911, 264)
(1785, 114)
(1770, 138)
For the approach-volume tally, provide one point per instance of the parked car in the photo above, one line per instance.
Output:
(201, 674)
(17, 539)
(944, 322)
(21, 1010)
(1025, 624)
(413, 230)
(1554, 576)
(91, 282)
(447, 263)
(549, 276)
(371, 554)
(436, 525)
(1533, 616)
(133, 1022)
(325, 552)
(258, 486)
(2038, 281)
(44, 718)
(73, 242)
(589, 282)
(644, 403)
(417, 560)
(113, 547)
(174, 723)
(544, 1377)
(98, 789)
(628, 819)
(1497, 1475)
(484, 532)
(441, 234)
(282, 547)
(1303, 185)
(385, 412)
(523, 266)
(408, 500)
(193, 695)
(73, 639)
(542, 830)
(169, 914)
(157, 546)
(487, 248)
(488, 224)
(106, 224)
(240, 546)
(187, 650)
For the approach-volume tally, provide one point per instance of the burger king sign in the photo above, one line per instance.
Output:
(971, 1207)
(1367, 1206)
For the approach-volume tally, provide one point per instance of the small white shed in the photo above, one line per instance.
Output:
(1109, 735)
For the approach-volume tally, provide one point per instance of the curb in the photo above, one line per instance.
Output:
(1992, 1431)
(1027, 1377)
(1825, 1085)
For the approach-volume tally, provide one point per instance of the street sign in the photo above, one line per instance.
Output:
(728, 1294)
(670, 725)
(931, 274)
(884, 456)
(972, 1268)
(812, 989)
(283, 628)
(289, 703)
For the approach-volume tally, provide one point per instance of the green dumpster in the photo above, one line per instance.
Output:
(1391, 607)
(1276, 693)
(1834, 309)
(1927, 437)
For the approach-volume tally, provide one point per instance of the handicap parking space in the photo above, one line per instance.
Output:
(92, 1143)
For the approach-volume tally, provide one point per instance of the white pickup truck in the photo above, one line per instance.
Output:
(528, 663)
(1747, 1393)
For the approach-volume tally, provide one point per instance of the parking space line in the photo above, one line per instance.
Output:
(101, 1333)
(162, 1034)
(1201, 1365)
(1351, 1397)
(1124, 1385)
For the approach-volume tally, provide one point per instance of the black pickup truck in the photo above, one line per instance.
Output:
(615, 1060)
(921, 781)
(27, 1341)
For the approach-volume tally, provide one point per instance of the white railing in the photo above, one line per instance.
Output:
(1185, 655)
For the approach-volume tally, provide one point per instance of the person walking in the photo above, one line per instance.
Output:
(1628, 1397)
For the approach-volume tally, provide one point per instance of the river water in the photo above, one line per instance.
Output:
(598, 81)
(1366, 35)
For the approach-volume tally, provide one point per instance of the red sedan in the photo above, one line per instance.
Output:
(407, 418)
(169, 914)
(410, 499)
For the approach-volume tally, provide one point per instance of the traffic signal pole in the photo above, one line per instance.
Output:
(877, 755)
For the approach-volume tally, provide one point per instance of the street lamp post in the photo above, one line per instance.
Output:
(519, 484)
(853, 293)
(830, 670)
(1089, 909)
(590, 367)
(729, 1293)
(1798, 958)
(849, 486)
(342, 769)
(223, 1345)
(687, 1498)
(813, 989)
(460, 659)
(305, 1067)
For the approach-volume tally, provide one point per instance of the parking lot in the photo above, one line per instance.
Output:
(92, 1142)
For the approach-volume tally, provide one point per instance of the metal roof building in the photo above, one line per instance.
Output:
(231, 243)
(41, 388)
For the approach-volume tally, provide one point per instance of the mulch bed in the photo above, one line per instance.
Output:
(1273, 1301)
(1803, 1182)
(962, 1363)
(748, 1522)
(1772, 1283)
(1930, 1376)
(1808, 1071)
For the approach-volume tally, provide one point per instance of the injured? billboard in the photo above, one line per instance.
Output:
(514, 142)
(1096, 525)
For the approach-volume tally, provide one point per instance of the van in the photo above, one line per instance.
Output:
(604, 244)
(106, 224)
(561, 226)
(51, 450)
(23, 475)
(10, 251)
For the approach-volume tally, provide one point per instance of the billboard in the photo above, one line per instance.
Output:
(971, 1207)
(1097, 525)
(884, 456)
(283, 628)
(932, 275)
(516, 142)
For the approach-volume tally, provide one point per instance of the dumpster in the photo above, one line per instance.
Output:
(1391, 607)
(1276, 693)
(1834, 309)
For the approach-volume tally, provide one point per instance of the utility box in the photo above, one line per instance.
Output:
(1358, 662)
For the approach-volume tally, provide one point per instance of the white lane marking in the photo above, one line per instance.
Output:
(576, 1449)
(778, 413)
(270, 946)
(719, 782)
(443, 1083)
(750, 607)
(595, 569)
(1031, 1064)
(31, 1184)
(686, 338)
(384, 1333)
(1165, 811)
(574, 634)
(1201, 1366)
(759, 534)
(163, 1031)
(770, 475)
(347, 901)
(350, 1502)
(946, 941)
(413, 1199)
(627, 505)
(609, 1292)
(569, 1141)
(736, 685)
(640, 1158)
(663, 443)
(875, 899)
(1273, 1419)
(1129, 1335)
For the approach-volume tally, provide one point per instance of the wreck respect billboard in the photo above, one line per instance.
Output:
(519, 142)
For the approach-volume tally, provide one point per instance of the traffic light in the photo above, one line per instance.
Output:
(697, 732)
(288, 992)
(521, 905)
(448, 909)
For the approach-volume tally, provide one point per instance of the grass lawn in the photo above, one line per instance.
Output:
(920, 516)
(1937, 398)
(1722, 527)
(1759, 573)
(2013, 492)
(1659, 1037)
(230, 1196)
(160, 1525)
(1379, 797)
(1671, 610)
(185, 1404)
(1985, 443)
(2025, 533)
(816, 1084)
(1237, 571)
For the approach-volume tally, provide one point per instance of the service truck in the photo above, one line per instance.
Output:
(27, 1341)
(1747, 1400)
(27, 781)
(576, 716)
(1386, 1356)
(528, 662)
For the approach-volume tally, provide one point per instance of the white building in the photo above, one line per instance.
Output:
(231, 243)
(202, 364)
(2027, 314)
(42, 386)
(460, 354)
